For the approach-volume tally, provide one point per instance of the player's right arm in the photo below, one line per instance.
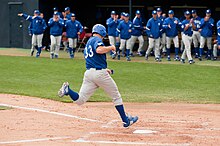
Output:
(105, 49)
(25, 16)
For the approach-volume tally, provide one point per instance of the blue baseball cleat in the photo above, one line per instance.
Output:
(131, 121)
(64, 89)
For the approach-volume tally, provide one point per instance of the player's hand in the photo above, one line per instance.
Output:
(20, 14)
(110, 71)
(169, 26)
(113, 48)
(176, 21)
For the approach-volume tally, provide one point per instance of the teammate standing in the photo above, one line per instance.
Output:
(163, 34)
(196, 34)
(206, 30)
(98, 75)
(73, 29)
(187, 32)
(136, 33)
(56, 25)
(112, 24)
(153, 30)
(36, 28)
(125, 28)
(171, 25)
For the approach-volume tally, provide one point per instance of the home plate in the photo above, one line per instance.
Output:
(144, 131)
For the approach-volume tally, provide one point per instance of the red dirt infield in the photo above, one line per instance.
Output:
(35, 121)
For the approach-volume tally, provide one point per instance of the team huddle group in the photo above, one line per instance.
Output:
(122, 32)
(161, 31)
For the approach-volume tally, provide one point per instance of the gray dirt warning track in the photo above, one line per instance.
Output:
(37, 121)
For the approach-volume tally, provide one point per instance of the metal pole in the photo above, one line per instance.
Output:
(130, 9)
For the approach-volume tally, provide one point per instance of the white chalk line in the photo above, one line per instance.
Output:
(128, 143)
(33, 140)
(50, 112)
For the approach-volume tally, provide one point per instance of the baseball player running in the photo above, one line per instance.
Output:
(206, 30)
(187, 32)
(171, 25)
(196, 34)
(37, 28)
(153, 30)
(98, 75)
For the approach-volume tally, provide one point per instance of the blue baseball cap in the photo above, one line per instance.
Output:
(55, 13)
(67, 9)
(186, 13)
(138, 12)
(159, 9)
(36, 11)
(123, 13)
(170, 12)
(208, 11)
(126, 15)
(154, 12)
(73, 15)
(193, 11)
(55, 9)
(113, 12)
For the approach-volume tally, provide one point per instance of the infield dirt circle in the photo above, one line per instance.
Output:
(34, 121)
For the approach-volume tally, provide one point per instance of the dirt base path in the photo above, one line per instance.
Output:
(35, 121)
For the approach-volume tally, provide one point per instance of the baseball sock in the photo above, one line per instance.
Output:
(127, 52)
(74, 96)
(168, 51)
(120, 109)
(176, 52)
(200, 52)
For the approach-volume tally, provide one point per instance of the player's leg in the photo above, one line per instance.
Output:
(157, 50)
(39, 44)
(74, 46)
(176, 45)
(168, 45)
(202, 44)
(141, 44)
(122, 46)
(105, 81)
(215, 52)
(128, 49)
(111, 42)
(163, 44)
(150, 47)
(132, 42)
(87, 89)
(33, 43)
(209, 46)
(57, 48)
(187, 43)
(70, 47)
(52, 46)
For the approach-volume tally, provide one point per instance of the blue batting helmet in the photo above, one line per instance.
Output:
(100, 29)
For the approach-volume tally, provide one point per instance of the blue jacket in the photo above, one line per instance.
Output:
(112, 26)
(123, 28)
(56, 28)
(218, 32)
(72, 28)
(162, 20)
(37, 25)
(173, 31)
(154, 28)
(206, 27)
(197, 22)
(189, 31)
(138, 27)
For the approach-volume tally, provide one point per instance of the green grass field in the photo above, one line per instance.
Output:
(138, 80)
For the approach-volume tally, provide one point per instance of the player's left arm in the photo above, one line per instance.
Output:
(105, 49)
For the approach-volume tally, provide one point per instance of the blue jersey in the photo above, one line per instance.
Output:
(173, 31)
(154, 28)
(56, 28)
(138, 27)
(189, 31)
(93, 59)
(72, 28)
(37, 25)
(112, 25)
(218, 32)
(197, 22)
(207, 27)
(123, 28)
